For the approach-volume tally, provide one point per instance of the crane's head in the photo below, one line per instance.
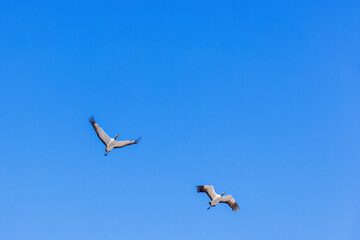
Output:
(222, 193)
(116, 136)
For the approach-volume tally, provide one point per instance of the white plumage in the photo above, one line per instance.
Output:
(110, 143)
(216, 198)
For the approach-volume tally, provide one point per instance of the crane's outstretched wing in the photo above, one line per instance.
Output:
(208, 189)
(100, 133)
(229, 200)
(120, 144)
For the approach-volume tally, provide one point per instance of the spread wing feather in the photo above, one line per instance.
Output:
(208, 189)
(120, 144)
(100, 133)
(229, 200)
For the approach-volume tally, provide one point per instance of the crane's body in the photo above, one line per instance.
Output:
(110, 145)
(215, 201)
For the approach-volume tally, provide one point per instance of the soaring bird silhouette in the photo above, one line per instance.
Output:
(216, 198)
(110, 143)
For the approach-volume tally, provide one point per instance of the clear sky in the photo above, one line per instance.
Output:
(259, 99)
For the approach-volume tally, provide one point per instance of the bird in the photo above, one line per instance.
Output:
(110, 143)
(216, 198)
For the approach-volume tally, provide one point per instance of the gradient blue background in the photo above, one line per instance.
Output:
(259, 99)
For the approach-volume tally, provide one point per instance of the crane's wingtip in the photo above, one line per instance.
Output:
(92, 119)
(137, 140)
(200, 188)
(235, 207)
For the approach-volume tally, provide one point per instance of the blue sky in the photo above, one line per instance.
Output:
(258, 99)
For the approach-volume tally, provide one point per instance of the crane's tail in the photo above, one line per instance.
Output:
(137, 140)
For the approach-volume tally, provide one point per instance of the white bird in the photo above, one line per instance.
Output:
(110, 143)
(216, 198)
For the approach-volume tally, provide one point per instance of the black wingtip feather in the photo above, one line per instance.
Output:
(200, 188)
(92, 119)
(235, 207)
(137, 140)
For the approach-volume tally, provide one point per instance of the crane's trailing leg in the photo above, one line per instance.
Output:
(106, 153)
(208, 208)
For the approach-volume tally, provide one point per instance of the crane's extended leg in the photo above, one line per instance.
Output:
(106, 153)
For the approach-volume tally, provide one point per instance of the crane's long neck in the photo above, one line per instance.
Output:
(116, 136)
(222, 193)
